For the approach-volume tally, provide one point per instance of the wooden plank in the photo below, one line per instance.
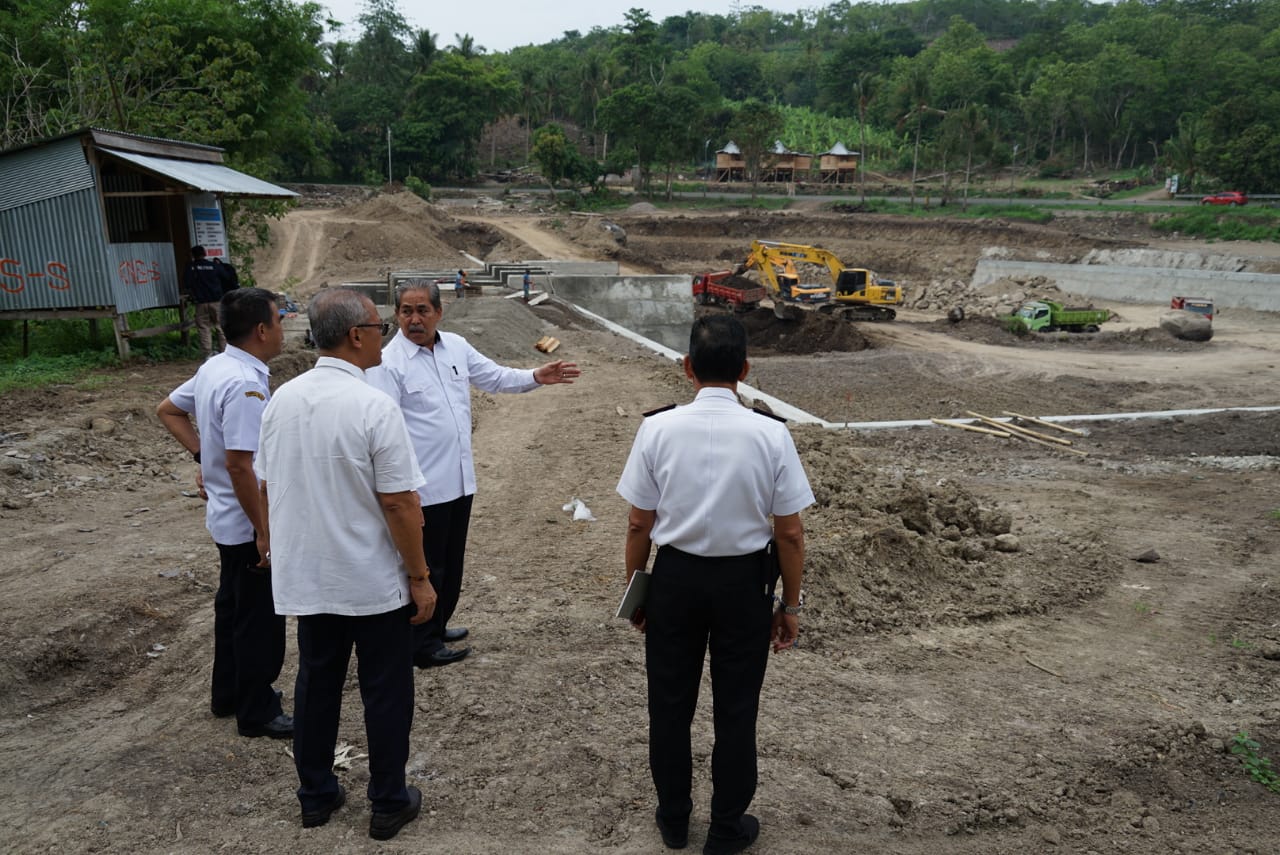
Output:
(1000, 433)
(1016, 429)
(1030, 435)
(540, 299)
(1044, 423)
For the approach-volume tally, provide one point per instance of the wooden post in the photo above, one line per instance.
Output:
(26, 338)
(120, 325)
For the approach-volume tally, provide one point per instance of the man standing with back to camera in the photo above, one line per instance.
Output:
(205, 284)
(338, 479)
(228, 396)
(703, 480)
(430, 375)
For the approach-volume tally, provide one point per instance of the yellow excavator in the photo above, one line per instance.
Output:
(855, 293)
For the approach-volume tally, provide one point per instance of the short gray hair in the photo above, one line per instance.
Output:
(432, 289)
(333, 313)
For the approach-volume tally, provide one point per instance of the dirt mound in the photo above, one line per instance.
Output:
(991, 330)
(408, 229)
(899, 551)
(812, 333)
(590, 232)
(503, 330)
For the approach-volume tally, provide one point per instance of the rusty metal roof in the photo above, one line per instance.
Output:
(209, 177)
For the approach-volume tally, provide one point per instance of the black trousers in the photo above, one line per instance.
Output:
(444, 540)
(384, 669)
(248, 638)
(694, 603)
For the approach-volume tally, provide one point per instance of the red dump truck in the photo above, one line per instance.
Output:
(1199, 305)
(724, 288)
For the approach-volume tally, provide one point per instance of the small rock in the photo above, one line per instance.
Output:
(1007, 543)
(16, 503)
(1151, 825)
(972, 552)
(1148, 557)
(1269, 650)
(1051, 835)
(102, 425)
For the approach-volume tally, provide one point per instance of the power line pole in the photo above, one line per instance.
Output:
(388, 154)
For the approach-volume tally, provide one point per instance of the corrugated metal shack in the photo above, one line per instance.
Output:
(97, 223)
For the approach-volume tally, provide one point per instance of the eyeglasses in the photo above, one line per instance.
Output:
(383, 327)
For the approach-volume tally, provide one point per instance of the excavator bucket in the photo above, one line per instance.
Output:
(784, 312)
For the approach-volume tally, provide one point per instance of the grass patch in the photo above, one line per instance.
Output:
(37, 371)
(952, 210)
(65, 351)
(1219, 224)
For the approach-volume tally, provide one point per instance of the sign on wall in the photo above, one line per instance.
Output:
(204, 215)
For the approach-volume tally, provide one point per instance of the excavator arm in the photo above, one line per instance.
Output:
(776, 264)
(868, 296)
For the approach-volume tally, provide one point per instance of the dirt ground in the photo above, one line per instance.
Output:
(1007, 647)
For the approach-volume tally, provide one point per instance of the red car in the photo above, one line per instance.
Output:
(1230, 197)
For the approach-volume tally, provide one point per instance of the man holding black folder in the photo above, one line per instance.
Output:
(704, 480)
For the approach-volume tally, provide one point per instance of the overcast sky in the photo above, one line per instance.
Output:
(500, 25)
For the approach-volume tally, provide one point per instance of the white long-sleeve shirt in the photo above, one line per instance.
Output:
(433, 388)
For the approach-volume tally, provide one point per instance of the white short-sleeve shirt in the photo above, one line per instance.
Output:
(433, 388)
(330, 444)
(228, 396)
(714, 471)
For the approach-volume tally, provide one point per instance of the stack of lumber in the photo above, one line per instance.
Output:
(1006, 429)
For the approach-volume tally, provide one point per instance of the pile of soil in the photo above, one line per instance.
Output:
(410, 228)
(899, 551)
(991, 330)
(812, 332)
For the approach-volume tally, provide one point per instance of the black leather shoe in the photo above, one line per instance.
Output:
(280, 727)
(456, 633)
(227, 712)
(675, 835)
(729, 844)
(384, 826)
(316, 818)
(441, 656)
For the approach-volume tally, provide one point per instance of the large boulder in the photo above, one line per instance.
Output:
(1187, 326)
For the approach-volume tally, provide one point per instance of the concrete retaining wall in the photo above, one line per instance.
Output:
(572, 268)
(657, 307)
(1142, 284)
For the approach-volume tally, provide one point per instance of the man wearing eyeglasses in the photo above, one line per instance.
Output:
(430, 374)
(338, 479)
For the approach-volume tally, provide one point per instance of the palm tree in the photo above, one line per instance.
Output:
(1182, 153)
(466, 46)
(972, 125)
(424, 50)
(916, 91)
(864, 90)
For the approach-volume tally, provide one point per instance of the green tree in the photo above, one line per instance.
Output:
(755, 128)
(556, 156)
(446, 110)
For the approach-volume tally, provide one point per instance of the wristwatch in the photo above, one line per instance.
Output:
(791, 610)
